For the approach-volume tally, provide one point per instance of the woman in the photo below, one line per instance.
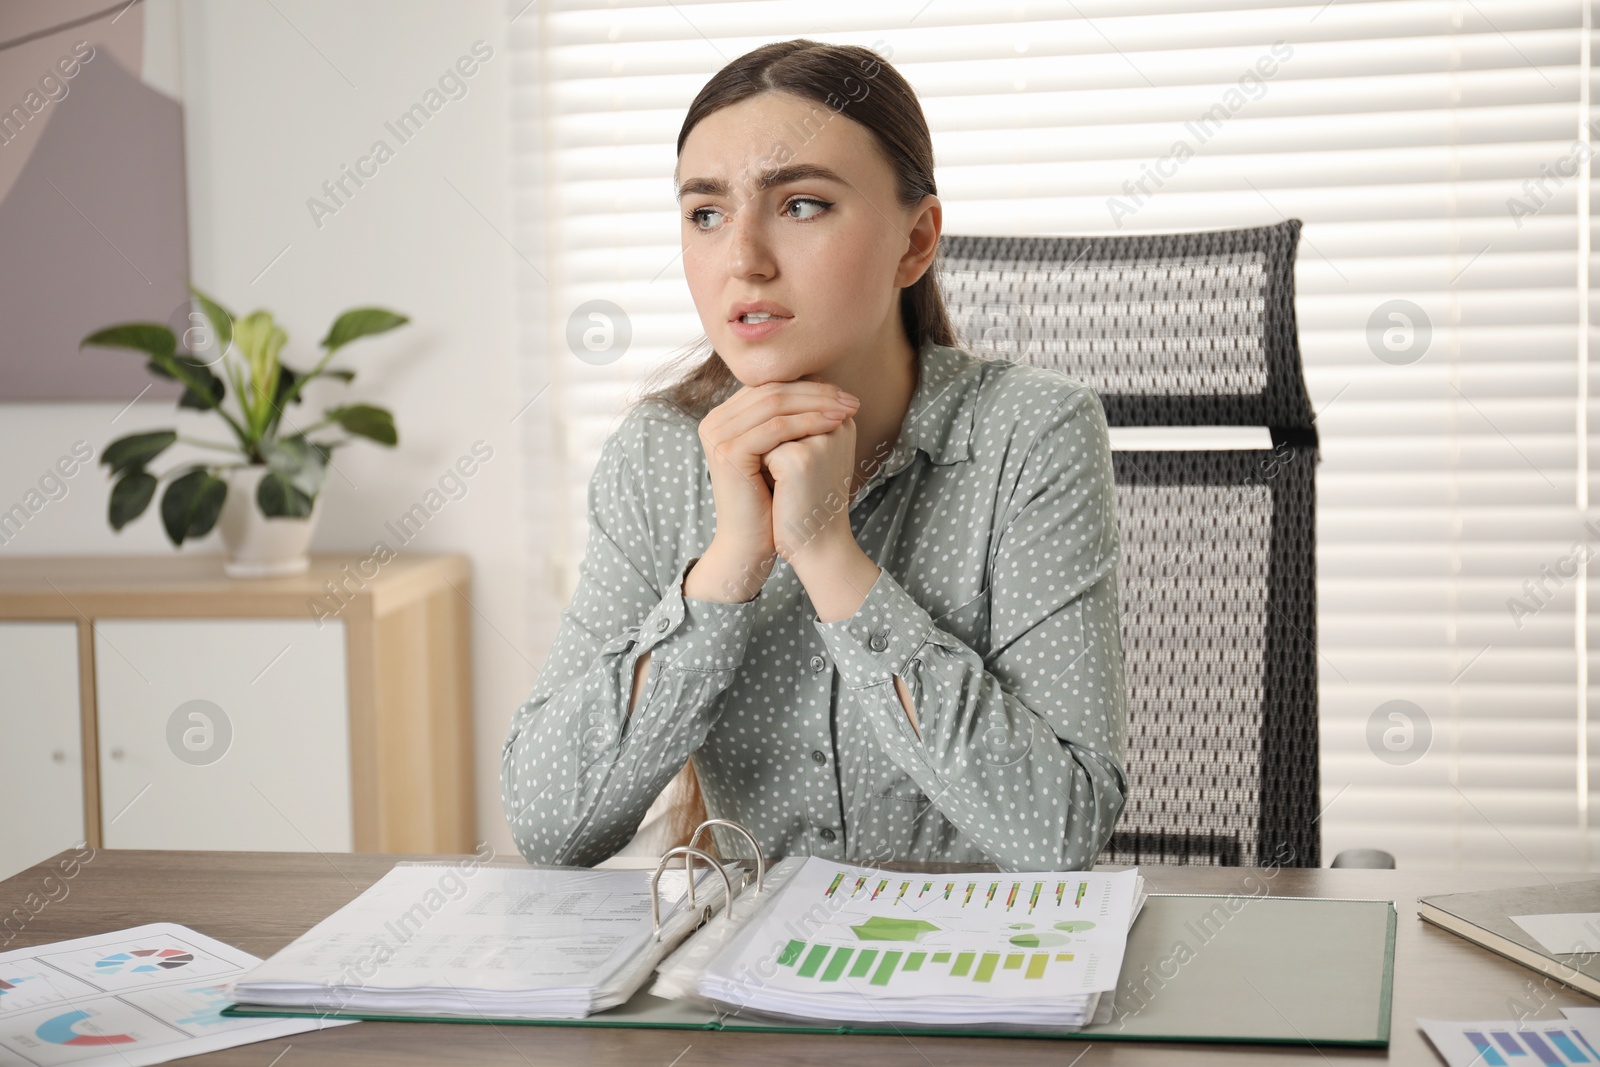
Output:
(866, 580)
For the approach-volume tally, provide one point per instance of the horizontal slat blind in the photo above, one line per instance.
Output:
(1398, 130)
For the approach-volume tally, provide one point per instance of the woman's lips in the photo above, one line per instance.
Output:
(757, 331)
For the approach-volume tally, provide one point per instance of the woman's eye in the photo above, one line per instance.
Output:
(810, 209)
(820, 205)
(697, 216)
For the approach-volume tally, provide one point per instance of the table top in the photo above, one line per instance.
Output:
(73, 587)
(260, 901)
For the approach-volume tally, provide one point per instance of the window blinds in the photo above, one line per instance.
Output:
(1438, 154)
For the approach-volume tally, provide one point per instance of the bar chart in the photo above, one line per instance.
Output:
(868, 944)
(1555, 1047)
(824, 962)
(915, 934)
(1021, 893)
(1534, 1043)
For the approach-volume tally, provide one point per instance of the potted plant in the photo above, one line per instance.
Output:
(274, 461)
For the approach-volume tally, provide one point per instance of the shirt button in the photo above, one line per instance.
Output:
(878, 643)
(818, 663)
(662, 624)
(818, 756)
(826, 834)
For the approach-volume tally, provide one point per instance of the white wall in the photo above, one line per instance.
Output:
(278, 98)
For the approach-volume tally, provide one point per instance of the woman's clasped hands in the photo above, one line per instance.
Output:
(781, 456)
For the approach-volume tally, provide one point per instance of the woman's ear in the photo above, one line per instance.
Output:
(927, 222)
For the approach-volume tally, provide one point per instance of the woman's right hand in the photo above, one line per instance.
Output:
(736, 435)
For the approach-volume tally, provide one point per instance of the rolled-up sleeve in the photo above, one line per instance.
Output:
(578, 772)
(1020, 749)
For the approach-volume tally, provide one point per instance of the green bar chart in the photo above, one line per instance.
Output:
(824, 962)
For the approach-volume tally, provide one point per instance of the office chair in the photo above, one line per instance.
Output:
(1218, 568)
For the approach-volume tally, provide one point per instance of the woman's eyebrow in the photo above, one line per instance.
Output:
(795, 172)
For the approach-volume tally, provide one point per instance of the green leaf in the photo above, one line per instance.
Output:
(236, 378)
(278, 497)
(191, 504)
(149, 337)
(131, 453)
(286, 379)
(130, 496)
(345, 376)
(364, 420)
(202, 371)
(220, 317)
(164, 367)
(259, 340)
(360, 322)
(301, 463)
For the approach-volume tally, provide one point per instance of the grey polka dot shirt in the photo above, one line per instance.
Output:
(994, 522)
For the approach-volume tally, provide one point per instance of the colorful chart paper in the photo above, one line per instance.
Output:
(1507, 1043)
(130, 998)
(841, 939)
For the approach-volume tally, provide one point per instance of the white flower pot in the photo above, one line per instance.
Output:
(258, 546)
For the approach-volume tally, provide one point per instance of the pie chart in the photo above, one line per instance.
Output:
(1043, 939)
(62, 1030)
(143, 959)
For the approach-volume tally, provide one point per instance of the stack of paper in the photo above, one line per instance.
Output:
(856, 944)
(495, 942)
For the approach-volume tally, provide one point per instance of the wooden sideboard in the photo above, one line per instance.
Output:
(152, 702)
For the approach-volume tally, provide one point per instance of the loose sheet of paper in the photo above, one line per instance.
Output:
(1530, 1043)
(132, 997)
(1563, 933)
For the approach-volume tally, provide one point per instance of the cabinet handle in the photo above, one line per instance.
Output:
(116, 753)
(59, 756)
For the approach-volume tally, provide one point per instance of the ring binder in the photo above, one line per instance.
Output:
(690, 850)
(655, 879)
(755, 847)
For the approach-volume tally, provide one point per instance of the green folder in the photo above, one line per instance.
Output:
(1293, 970)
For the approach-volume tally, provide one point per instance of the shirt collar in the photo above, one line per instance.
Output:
(940, 417)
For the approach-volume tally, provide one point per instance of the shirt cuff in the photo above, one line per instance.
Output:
(877, 642)
(700, 635)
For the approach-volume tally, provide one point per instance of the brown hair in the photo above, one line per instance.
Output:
(852, 81)
(848, 79)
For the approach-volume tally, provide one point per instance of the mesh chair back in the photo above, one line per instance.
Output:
(1217, 576)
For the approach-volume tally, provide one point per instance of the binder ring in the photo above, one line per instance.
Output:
(655, 897)
(755, 846)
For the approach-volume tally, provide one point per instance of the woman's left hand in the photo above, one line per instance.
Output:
(811, 491)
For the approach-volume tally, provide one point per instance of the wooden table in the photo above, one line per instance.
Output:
(260, 901)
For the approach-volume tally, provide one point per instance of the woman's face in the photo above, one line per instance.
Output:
(826, 246)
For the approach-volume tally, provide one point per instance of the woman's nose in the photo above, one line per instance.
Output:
(749, 254)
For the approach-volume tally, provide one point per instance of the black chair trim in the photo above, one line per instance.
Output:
(1145, 846)
(1288, 832)
(1282, 402)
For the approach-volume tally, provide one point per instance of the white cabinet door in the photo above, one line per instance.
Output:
(223, 734)
(41, 753)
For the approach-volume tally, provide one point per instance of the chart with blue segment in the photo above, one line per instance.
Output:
(1556, 1047)
(135, 996)
(1534, 1043)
